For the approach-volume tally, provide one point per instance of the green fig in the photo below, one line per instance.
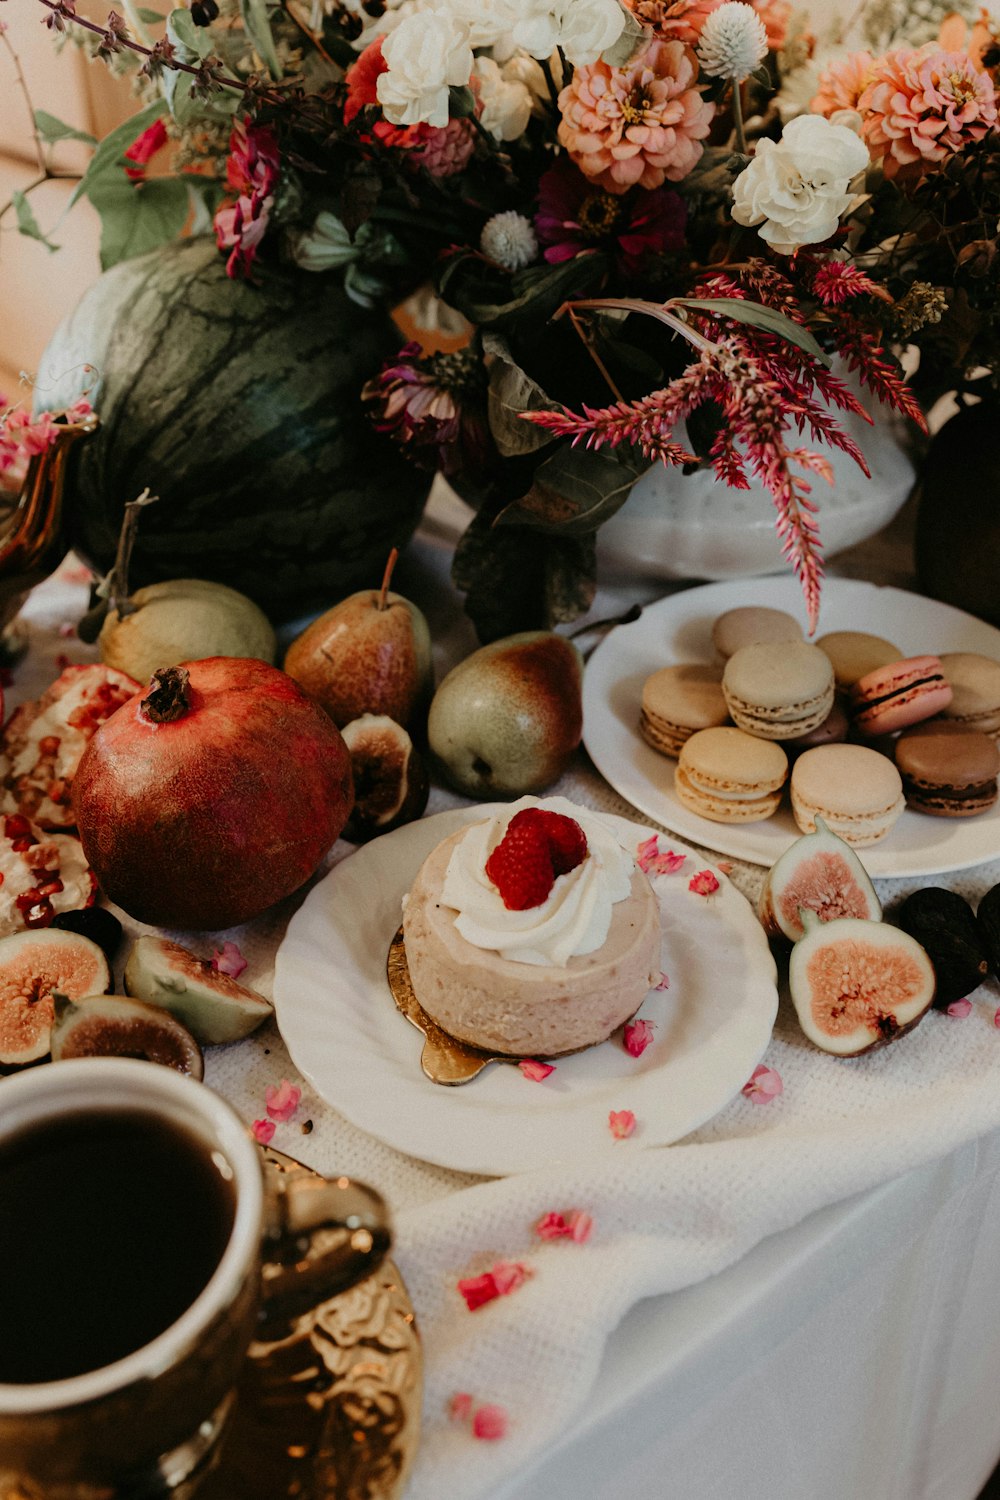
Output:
(369, 654)
(506, 720)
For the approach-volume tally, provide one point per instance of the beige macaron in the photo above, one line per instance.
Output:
(975, 690)
(856, 791)
(678, 701)
(751, 624)
(778, 689)
(854, 653)
(730, 777)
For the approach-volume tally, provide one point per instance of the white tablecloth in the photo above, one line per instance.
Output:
(824, 1309)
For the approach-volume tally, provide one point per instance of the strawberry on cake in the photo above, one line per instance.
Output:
(533, 932)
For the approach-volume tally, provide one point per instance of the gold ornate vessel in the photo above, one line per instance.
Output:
(31, 528)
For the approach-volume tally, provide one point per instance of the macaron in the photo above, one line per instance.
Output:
(855, 653)
(751, 624)
(856, 791)
(678, 701)
(975, 690)
(832, 731)
(948, 771)
(902, 693)
(730, 777)
(778, 689)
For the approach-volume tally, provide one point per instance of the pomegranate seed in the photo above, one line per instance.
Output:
(49, 745)
(15, 826)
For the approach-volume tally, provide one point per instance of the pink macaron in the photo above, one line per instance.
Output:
(899, 694)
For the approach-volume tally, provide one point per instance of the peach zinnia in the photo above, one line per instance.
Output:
(639, 124)
(842, 84)
(922, 105)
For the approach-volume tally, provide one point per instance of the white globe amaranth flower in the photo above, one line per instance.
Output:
(582, 28)
(795, 189)
(504, 104)
(509, 239)
(733, 42)
(426, 54)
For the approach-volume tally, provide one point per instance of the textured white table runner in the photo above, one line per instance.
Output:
(664, 1218)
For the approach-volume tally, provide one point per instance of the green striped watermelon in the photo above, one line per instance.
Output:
(240, 407)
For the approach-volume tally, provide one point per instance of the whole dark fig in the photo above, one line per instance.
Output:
(945, 927)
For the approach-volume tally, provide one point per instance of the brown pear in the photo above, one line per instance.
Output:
(369, 654)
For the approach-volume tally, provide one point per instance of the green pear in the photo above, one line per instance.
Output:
(506, 720)
(369, 654)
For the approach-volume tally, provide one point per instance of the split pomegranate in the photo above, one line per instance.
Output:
(211, 794)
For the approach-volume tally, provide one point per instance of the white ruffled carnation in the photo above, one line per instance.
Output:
(509, 239)
(426, 54)
(733, 41)
(504, 104)
(582, 28)
(795, 189)
(489, 22)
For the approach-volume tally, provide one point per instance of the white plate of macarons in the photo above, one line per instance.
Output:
(683, 630)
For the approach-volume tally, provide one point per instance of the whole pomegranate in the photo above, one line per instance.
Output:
(211, 794)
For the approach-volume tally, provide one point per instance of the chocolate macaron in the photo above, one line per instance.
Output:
(730, 777)
(678, 701)
(856, 791)
(900, 694)
(948, 771)
(778, 690)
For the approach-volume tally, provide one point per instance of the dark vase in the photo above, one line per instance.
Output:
(957, 537)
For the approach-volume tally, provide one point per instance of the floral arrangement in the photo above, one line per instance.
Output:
(659, 231)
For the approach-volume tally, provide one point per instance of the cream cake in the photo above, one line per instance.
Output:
(532, 980)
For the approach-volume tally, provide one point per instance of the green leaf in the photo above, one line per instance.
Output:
(52, 130)
(767, 318)
(258, 25)
(195, 40)
(26, 221)
(575, 491)
(109, 159)
(491, 299)
(149, 17)
(138, 216)
(511, 392)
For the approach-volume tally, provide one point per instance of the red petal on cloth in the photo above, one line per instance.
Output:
(621, 1123)
(638, 1035)
(535, 1070)
(763, 1085)
(283, 1101)
(262, 1130)
(960, 1009)
(704, 883)
(460, 1406)
(490, 1423)
(228, 960)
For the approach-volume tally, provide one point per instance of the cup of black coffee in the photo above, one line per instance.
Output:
(141, 1241)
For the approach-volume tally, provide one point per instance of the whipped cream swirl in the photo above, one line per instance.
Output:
(572, 920)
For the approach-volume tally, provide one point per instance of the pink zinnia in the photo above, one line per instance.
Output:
(639, 124)
(920, 106)
(775, 15)
(445, 151)
(842, 83)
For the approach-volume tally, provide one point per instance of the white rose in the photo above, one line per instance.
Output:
(504, 105)
(582, 28)
(796, 189)
(426, 54)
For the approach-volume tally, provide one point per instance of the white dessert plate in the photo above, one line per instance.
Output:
(679, 629)
(344, 1033)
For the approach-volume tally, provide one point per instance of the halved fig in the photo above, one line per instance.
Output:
(818, 873)
(114, 1026)
(33, 965)
(945, 925)
(858, 984)
(391, 784)
(209, 1003)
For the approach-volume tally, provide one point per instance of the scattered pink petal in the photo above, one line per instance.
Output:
(263, 1130)
(505, 1277)
(67, 630)
(996, 1018)
(622, 1123)
(229, 960)
(638, 1035)
(960, 1009)
(490, 1422)
(704, 883)
(535, 1070)
(576, 1225)
(725, 865)
(663, 983)
(763, 1085)
(283, 1101)
(460, 1407)
(652, 862)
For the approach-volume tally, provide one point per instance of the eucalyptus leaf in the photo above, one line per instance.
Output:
(511, 392)
(52, 130)
(575, 491)
(767, 318)
(258, 26)
(26, 221)
(195, 40)
(108, 160)
(624, 49)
